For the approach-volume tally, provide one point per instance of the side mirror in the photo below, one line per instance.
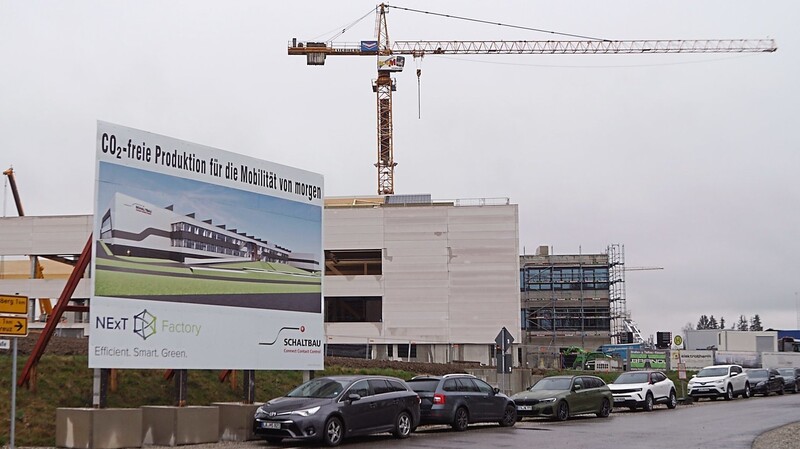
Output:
(496, 390)
(576, 388)
(352, 397)
(694, 375)
(734, 374)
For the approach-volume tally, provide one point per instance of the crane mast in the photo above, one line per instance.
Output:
(390, 59)
(383, 87)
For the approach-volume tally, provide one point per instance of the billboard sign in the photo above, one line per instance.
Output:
(203, 258)
(648, 360)
(392, 63)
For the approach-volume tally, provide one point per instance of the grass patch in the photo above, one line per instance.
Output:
(65, 381)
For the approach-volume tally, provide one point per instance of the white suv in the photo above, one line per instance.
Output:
(716, 381)
(643, 388)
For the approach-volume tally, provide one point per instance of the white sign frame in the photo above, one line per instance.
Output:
(203, 258)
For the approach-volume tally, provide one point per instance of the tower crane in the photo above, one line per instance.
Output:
(391, 58)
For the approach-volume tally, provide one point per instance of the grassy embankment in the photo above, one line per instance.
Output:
(65, 381)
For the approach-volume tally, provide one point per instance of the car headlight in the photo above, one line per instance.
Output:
(761, 384)
(304, 412)
(260, 413)
(546, 400)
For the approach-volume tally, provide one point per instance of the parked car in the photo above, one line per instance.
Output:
(726, 381)
(333, 408)
(765, 381)
(461, 399)
(791, 379)
(559, 397)
(643, 389)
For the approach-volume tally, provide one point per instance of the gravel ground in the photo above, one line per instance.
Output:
(783, 437)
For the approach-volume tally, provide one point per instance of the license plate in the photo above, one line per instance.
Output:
(525, 408)
(702, 389)
(270, 425)
(619, 399)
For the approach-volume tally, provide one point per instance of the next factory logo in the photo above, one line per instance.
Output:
(145, 325)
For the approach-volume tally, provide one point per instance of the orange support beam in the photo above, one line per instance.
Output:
(59, 309)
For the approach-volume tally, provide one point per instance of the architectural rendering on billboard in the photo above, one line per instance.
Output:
(203, 259)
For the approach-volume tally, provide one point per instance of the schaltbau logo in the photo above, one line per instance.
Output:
(144, 324)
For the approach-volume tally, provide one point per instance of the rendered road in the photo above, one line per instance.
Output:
(719, 424)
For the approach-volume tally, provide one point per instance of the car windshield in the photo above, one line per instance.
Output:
(786, 372)
(757, 373)
(561, 383)
(632, 378)
(712, 372)
(318, 388)
(423, 385)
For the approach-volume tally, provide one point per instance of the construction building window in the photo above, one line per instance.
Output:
(567, 319)
(353, 262)
(354, 309)
(563, 278)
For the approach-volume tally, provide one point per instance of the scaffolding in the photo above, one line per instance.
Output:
(616, 291)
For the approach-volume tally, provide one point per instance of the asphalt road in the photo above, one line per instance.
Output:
(706, 425)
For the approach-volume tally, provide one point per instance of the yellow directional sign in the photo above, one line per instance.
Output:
(14, 304)
(13, 326)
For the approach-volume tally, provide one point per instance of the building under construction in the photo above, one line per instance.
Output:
(566, 301)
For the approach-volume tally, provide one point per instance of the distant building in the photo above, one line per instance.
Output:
(566, 301)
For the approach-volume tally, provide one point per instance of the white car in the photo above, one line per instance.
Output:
(726, 381)
(643, 389)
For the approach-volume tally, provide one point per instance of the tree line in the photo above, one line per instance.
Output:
(743, 324)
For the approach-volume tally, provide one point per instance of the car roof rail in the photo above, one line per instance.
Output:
(458, 374)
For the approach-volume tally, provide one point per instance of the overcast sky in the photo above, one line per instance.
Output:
(690, 161)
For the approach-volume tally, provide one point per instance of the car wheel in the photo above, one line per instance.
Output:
(273, 440)
(747, 391)
(333, 432)
(461, 420)
(509, 416)
(673, 400)
(562, 411)
(605, 409)
(794, 390)
(729, 393)
(402, 425)
(648, 403)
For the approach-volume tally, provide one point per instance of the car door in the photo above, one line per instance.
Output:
(737, 378)
(386, 403)
(661, 387)
(581, 396)
(472, 397)
(359, 415)
(492, 405)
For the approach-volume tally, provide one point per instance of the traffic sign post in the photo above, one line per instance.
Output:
(14, 304)
(13, 326)
(504, 361)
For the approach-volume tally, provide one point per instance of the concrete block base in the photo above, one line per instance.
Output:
(175, 426)
(94, 428)
(236, 421)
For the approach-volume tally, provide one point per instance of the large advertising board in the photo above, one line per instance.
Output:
(203, 258)
(648, 360)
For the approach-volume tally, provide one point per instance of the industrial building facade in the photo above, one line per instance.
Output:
(410, 279)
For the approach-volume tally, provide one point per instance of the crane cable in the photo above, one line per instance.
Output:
(499, 24)
(345, 28)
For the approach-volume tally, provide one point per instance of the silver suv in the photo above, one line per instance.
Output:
(725, 381)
